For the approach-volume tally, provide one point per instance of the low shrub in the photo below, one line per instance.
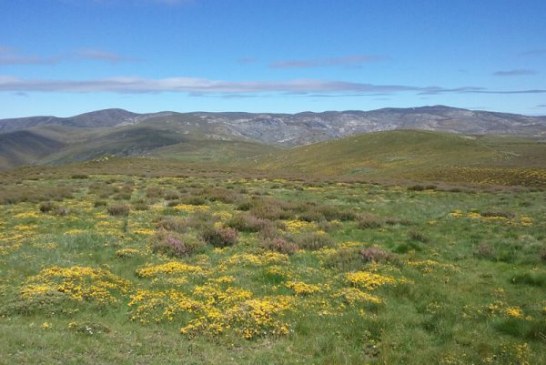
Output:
(417, 236)
(392, 221)
(154, 192)
(484, 251)
(314, 241)
(375, 254)
(17, 194)
(220, 237)
(416, 188)
(140, 205)
(529, 278)
(175, 224)
(247, 223)
(80, 176)
(369, 221)
(61, 211)
(497, 214)
(329, 226)
(345, 259)
(122, 196)
(171, 195)
(336, 213)
(280, 245)
(521, 328)
(175, 244)
(193, 200)
(244, 206)
(222, 195)
(47, 207)
(118, 210)
(312, 216)
(272, 209)
(408, 247)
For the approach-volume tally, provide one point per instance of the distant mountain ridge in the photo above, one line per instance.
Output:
(305, 127)
(222, 136)
(99, 118)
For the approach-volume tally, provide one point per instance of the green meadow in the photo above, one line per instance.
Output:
(147, 262)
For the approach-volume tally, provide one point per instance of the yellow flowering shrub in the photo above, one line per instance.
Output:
(301, 288)
(526, 221)
(296, 226)
(369, 280)
(427, 266)
(25, 215)
(354, 296)
(169, 268)
(249, 319)
(456, 213)
(156, 306)
(514, 312)
(188, 208)
(213, 294)
(128, 252)
(267, 258)
(78, 283)
(144, 231)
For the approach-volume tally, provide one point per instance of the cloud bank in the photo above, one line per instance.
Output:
(208, 86)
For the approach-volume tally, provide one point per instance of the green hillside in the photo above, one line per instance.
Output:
(123, 142)
(41, 146)
(203, 150)
(25, 147)
(417, 155)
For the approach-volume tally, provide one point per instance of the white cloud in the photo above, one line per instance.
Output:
(516, 72)
(207, 86)
(11, 56)
(100, 55)
(344, 61)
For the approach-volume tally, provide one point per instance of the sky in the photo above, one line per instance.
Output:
(66, 57)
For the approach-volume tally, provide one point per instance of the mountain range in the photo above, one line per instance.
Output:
(217, 136)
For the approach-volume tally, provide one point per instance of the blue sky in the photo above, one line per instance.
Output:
(65, 57)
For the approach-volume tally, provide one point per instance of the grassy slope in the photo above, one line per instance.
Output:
(25, 147)
(41, 146)
(122, 142)
(469, 266)
(418, 155)
(388, 156)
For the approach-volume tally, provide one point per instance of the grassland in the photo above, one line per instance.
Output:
(406, 155)
(151, 262)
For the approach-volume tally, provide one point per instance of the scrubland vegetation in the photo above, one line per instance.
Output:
(208, 267)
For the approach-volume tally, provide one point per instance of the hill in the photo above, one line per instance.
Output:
(25, 147)
(96, 119)
(411, 154)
